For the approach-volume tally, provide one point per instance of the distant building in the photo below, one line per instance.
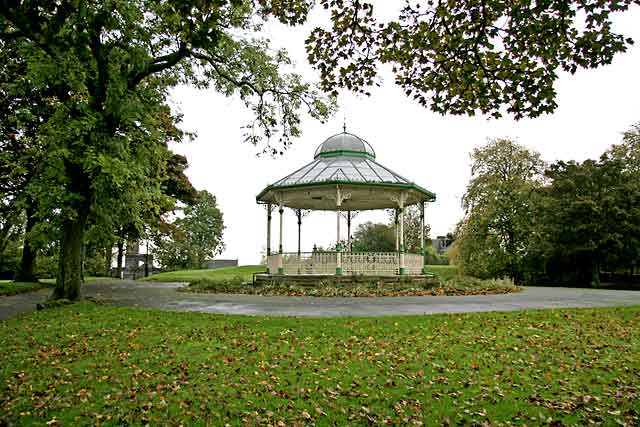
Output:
(220, 263)
(441, 243)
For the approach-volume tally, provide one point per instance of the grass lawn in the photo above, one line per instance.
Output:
(246, 272)
(90, 279)
(9, 287)
(87, 364)
(226, 273)
(443, 271)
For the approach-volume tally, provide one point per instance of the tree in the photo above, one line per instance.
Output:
(203, 226)
(492, 239)
(374, 237)
(194, 238)
(591, 217)
(412, 223)
(22, 109)
(628, 152)
(174, 188)
(468, 57)
(109, 66)
(628, 155)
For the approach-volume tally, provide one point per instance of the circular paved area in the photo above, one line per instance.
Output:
(165, 296)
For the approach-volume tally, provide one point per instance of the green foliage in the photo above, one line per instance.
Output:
(376, 237)
(46, 266)
(373, 237)
(13, 288)
(493, 237)
(412, 223)
(467, 57)
(9, 260)
(444, 272)
(629, 151)
(94, 264)
(591, 220)
(358, 287)
(580, 219)
(220, 274)
(193, 238)
(433, 257)
(106, 69)
(119, 366)
(203, 226)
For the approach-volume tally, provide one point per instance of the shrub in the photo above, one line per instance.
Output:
(46, 266)
(361, 287)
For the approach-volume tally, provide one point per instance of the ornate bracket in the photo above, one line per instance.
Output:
(339, 197)
(348, 215)
(401, 199)
(280, 199)
(301, 213)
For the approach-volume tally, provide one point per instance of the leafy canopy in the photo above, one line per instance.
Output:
(492, 239)
(108, 67)
(191, 239)
(468, 57)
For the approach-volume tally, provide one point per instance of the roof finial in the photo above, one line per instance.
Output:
(344, 124)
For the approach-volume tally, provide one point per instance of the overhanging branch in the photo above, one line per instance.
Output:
(159, 64)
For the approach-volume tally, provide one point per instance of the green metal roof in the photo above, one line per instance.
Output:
(343, 159)
(345, 144)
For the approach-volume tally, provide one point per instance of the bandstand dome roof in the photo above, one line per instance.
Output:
(344, 144)
(346, 162)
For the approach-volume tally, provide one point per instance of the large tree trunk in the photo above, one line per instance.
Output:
(28, 260)
(73, 229)
(120, 256)
(70, 262)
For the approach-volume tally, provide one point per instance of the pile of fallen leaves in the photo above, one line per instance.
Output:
(459, 285)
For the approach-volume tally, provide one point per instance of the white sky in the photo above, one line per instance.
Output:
(595, 107)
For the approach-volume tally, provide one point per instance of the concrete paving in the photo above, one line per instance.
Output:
(165, 296)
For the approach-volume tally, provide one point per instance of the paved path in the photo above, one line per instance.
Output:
(164, 296)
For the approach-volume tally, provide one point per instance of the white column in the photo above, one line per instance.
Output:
(423, 248)
(338, 248)
(349, 231)
(395, 230)
(299, 214)
(280, 266)
(402, 267)
(338, 227)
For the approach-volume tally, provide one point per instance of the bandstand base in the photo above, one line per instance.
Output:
(314, 279)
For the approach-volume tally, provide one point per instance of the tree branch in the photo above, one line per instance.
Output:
(159, 64)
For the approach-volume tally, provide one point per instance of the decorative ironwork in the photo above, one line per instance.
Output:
(309, 263)
(371, 263)
(413, 263)
(364, 263)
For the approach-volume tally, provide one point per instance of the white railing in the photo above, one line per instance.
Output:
(370, 263)
(273, 261)
(353, 263)
(305, 263)
(413, 263)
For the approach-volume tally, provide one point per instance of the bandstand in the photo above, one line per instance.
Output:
(344, 177)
